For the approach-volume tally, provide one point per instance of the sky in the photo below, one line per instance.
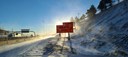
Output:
(40, 16)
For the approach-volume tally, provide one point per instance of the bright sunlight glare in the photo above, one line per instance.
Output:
(60, 22)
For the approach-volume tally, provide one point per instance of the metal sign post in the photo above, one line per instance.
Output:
(62, 46)
(69, 39)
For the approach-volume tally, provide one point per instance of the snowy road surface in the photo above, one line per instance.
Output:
(17, 50)
(33, 49)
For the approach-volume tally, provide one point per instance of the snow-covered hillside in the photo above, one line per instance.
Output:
(104, 34)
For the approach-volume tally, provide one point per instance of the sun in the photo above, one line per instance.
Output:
(60, 22)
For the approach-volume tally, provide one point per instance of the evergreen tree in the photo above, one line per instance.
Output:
(72, 19)
(82, 17)
(91, 12)
(76, 19)
(108, 2)
(102, 5)
(93, 9)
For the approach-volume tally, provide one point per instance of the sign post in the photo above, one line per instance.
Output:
(69, 39)
(25, 30)
(67, 27)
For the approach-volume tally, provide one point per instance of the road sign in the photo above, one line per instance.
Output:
(67, 27)
(25, 30)
(59, 28)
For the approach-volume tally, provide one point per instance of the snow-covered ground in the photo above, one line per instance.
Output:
(16, 50)
(103, 35)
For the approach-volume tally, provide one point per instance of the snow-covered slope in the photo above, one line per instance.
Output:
(104, 34)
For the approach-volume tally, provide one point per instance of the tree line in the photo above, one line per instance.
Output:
(103, 5)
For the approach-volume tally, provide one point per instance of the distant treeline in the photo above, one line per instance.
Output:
(91, 12)
(103, 5)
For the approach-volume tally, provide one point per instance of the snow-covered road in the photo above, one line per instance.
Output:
(34, 48)
(22, 49)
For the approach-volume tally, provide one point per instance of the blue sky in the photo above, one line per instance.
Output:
(40, 15)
